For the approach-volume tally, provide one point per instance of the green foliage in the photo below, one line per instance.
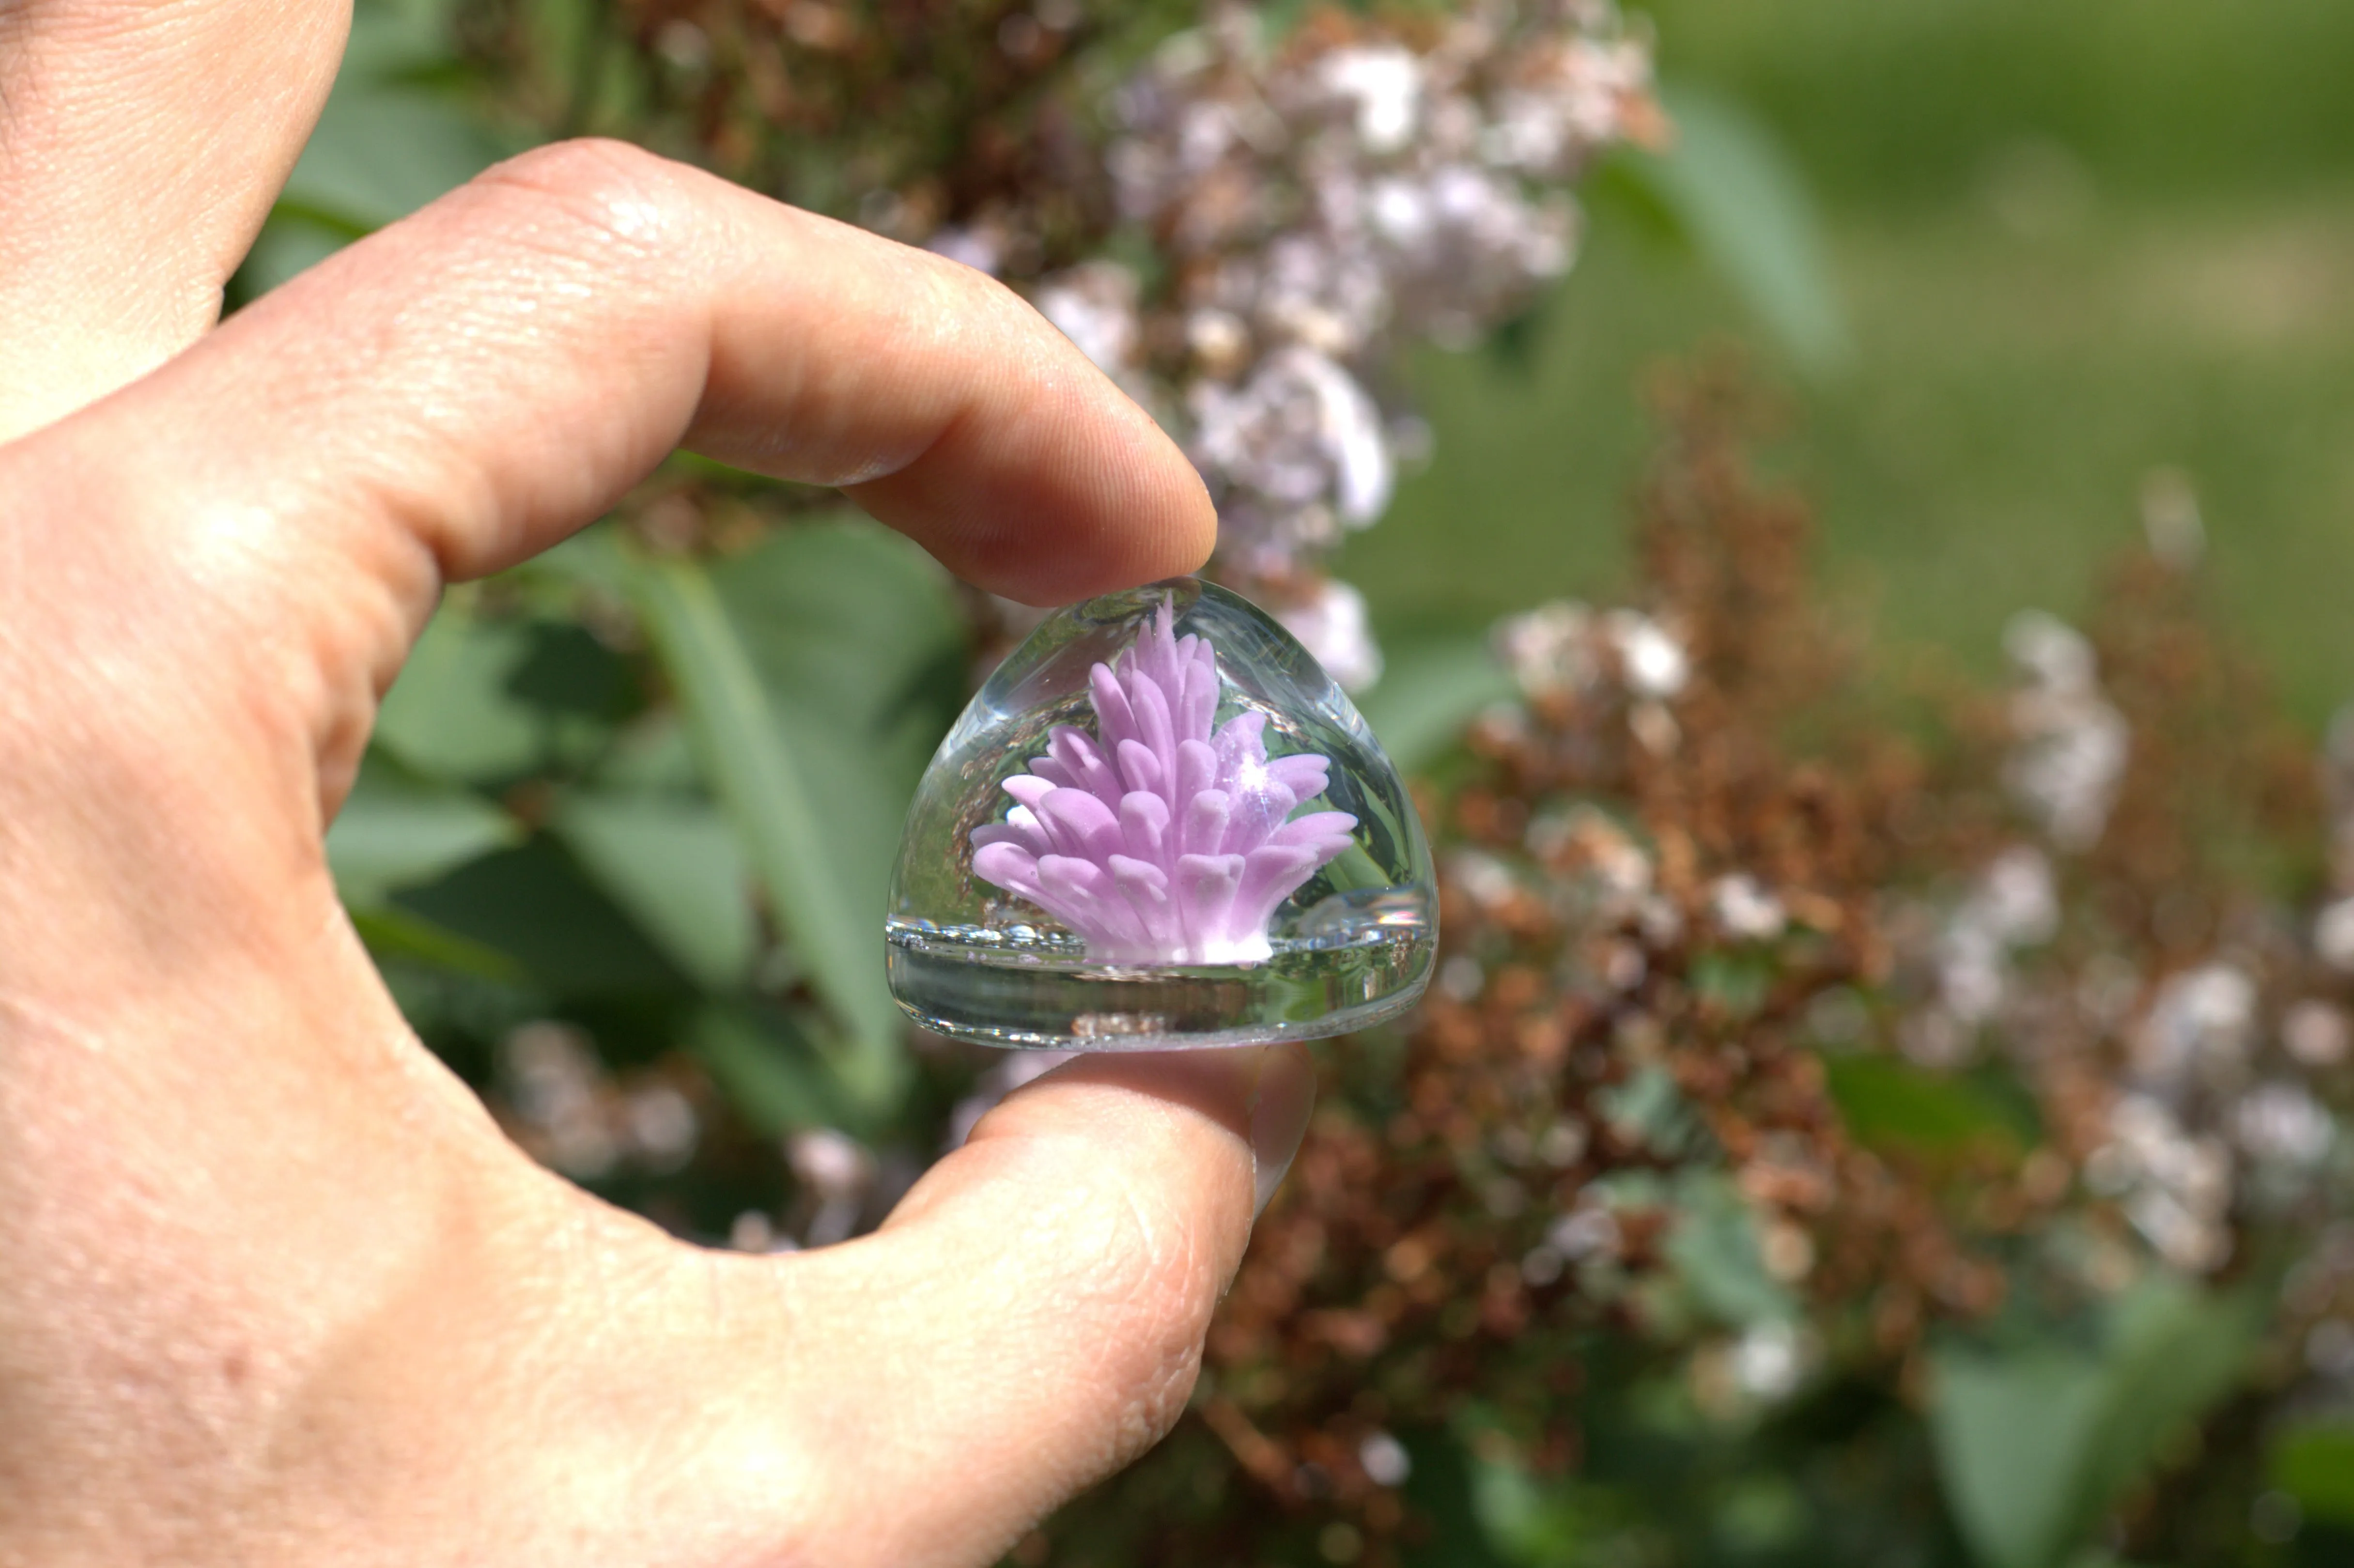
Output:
(1891, 1104)
(1728, 188)
(2314, 1465)
(660, 791)
(2036, 1435)
(1428, 691)
(796, 767)
(393, 136)
(395, 832)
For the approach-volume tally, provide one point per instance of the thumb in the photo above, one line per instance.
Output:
(1032, 1316)
(141, 145)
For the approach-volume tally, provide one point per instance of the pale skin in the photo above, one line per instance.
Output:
(273, 1288)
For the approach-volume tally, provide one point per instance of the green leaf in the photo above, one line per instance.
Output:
(771, 1072)
(862, 653)
(395, 933)
(1428, 694)
(1734, 193)
(486, 701)
(677, 867)
(397, 831)
(534, 904)
(2013, 1432)
(1888, 1103)
(1715, 1249)
(1442, 1488)
(385, 145)
(2034, 1441)
(2314, 1465)
(788, 778)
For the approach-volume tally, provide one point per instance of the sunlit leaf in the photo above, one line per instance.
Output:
(490, 700)
(1727, 185)
(1891, 1103)
(2314, 1465)
(1428, 694)
(786, 798)
(677, 867)
(397, 831)
(769, 1071)
(533, 904)
(2034, 1440)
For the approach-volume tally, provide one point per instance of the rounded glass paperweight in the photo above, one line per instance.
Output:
(1160, 824)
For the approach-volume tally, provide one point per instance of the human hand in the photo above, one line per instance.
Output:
(275, 1287)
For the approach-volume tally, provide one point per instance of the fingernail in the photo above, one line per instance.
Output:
(1278, 1117)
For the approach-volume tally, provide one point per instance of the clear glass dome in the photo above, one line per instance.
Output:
(1160, 824)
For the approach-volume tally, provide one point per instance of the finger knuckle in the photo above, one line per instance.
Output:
(591, 194)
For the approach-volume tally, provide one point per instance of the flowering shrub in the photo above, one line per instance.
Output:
(1244, 230)
(1851, 1124)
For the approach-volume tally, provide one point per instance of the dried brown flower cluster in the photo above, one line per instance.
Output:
(1701, 908)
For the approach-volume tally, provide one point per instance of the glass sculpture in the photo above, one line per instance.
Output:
(1160, 824)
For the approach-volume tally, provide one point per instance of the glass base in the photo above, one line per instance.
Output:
(1031, 989)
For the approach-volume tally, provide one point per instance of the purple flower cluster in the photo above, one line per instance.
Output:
(1157, 839)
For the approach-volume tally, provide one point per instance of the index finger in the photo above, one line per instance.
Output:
(490, 374)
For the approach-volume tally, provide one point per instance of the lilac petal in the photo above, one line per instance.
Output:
(1009, 866)
(1315, 826)
(1187, 708)
(1270, 876)
(1239, 742)
(1202, 692)
(1157, 649)
(1087, 824)
(1061, 874)
(1080, 893)
(1146, 889)
(1029, 789)
(1197, 769)
(1115, 720)
(1305, 775)
(1162, 838)
(1203, 831)
(1256, 814)
(1025, 820)
(1144, 824)
(1205, 893)
(1086, 765)
(1138, 766)
(1130, 873)
(1152, 718)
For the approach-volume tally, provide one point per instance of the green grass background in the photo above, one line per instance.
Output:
(2075, 242)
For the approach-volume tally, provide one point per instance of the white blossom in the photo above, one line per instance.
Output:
(2280, 1123)
(2072, 741)
(1744, 910)
(1654, 662)
(1322, 203)
(1094, 305)
(1331, 624)
(2200, 1029)
(2316, 1033)
(2333, 935)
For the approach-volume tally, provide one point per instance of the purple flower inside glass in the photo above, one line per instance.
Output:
(1160, 823)
(1160, 839)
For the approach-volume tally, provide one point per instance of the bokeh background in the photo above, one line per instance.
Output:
(2070, 246)
(1867, 642)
